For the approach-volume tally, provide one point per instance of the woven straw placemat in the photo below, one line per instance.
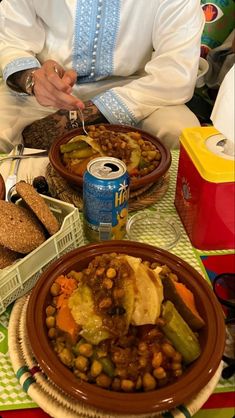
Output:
(139, 199)
(54, 401)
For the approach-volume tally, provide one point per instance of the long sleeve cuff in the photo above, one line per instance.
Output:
(20, 64)
(114, 109)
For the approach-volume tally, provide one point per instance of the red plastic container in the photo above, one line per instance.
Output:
(205, 190)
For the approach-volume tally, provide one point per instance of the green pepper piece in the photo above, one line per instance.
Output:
(107, 365)
(143, 163)
(71, 146)
(81, 153)
(179, 333)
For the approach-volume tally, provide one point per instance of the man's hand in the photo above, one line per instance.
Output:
(53, 86)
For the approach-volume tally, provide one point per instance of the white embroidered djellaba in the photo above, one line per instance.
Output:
(131, 56)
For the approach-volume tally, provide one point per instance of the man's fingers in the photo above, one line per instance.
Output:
(70, 77)
(52, 97)
(53, 86)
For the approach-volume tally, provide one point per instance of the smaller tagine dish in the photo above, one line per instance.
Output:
(145, 156)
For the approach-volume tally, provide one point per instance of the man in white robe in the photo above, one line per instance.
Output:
(130, 62)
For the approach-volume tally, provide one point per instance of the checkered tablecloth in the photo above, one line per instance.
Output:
(12, 396)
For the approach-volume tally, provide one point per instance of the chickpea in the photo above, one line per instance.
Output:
(100, 271)
(165, 270)
(142, 347)
(50, 310)
(121, 373)
(135, 135)
(176, 366)
(177, 357)
(127, 385)
(149, 383)
(138, 384)
(157, 360)
(111, 273)
(66, 357)
(85, 349)
(151, 155)
(52, 333)
(140, 142)
(77, 275)
(88, 271)
(96, 368)
(178, 372)
(118, 293)
(59, 346)
(143, 361)
(103, 380)
(54, 300)
(81, 375)
(50, 322)
(81, 363)
(174, 277)
(55, 289)
(105, 303)
(107, 283)
(159, 373)
(116, 384)
(152, 334)
(168, 350)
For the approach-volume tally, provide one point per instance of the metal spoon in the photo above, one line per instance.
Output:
(82, 120)
(73, 115)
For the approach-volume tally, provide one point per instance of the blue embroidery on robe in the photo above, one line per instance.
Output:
(20, 64)
(113, 108)
(94, 43)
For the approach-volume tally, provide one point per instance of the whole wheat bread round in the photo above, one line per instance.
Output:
(38, 205)
(20, 230)
(7, 257)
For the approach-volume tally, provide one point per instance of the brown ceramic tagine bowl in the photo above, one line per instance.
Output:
(2, 188)
(55, 157)
(193, 379)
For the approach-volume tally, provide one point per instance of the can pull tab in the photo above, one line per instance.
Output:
(108, 168)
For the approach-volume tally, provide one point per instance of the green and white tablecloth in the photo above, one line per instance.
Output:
(11, 393)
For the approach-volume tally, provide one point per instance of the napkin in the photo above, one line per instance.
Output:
(28, 168)
(222, 114)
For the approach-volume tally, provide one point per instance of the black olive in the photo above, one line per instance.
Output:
(116, 310)
(40, 184)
